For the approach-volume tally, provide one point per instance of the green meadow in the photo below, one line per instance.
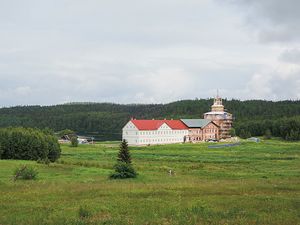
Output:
(254, 183)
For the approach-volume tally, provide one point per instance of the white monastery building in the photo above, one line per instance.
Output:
(145, 132)
(214, 126)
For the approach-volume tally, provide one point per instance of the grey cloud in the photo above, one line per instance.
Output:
(130, 51)
(275, 20)
(291, 56)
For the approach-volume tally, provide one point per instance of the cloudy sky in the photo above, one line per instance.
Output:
(142, 51)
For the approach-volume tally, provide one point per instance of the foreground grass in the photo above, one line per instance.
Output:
(254, 183)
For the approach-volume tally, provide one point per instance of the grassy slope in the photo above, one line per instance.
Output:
(248, 184)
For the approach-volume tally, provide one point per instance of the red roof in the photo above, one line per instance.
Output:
(155, 124)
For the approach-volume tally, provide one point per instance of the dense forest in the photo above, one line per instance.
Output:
(105, 120)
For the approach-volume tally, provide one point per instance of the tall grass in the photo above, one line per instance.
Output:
(254, 183)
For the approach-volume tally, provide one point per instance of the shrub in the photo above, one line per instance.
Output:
(293, 135)
(232, 132)
(83, 212)
(54, 148)
(74, 142)
(28, 144)
(123, 170)
(245, 134)
(43, 161)
(1, 151)
(25, 173)
(268, 134)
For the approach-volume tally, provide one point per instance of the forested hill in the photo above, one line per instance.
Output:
(105, 120)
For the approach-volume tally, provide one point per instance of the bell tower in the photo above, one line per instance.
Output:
(220, 117)
(218, 105)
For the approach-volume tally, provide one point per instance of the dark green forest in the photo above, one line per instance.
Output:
(28, 144)
(105, 120)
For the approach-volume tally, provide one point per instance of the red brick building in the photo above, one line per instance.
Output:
(201, 130)
(220, 117)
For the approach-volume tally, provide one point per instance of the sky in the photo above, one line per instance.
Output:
(141, 51)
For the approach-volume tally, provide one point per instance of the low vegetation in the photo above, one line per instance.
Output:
(252, 183)
(28, 144)
(25, 172)
(84, 212)
(74, 142)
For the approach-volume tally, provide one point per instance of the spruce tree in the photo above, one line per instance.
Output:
(123, 167)
(124, 155)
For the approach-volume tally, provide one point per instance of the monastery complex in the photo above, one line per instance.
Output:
(214, 126)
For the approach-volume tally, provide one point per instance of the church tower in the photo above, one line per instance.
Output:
(220, 117)
(217, 106)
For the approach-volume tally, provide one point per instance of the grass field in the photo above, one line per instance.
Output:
(254, 183)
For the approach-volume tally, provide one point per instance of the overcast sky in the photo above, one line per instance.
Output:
(148, 51)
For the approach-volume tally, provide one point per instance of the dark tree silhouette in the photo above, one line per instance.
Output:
(123, 168)
(124, 154)
(104, 121)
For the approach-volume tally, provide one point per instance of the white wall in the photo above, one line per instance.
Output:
(130, 133)
(163, 135)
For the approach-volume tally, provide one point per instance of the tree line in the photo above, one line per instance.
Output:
(105, 120)
(286, 128)
(28, 144)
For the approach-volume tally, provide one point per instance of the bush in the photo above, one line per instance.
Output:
(268, 134)
(123, 170)
(83, 212)
(293, 135)
(28, 144)
(245, 134)
(1, 151)
(232, 132)
(54, 148)
(43, 161)
(74, 142)
(25, 173)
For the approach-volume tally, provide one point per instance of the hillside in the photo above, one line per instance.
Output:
(105, 120)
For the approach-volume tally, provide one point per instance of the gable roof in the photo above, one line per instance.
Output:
(155, 124)
(196, 123)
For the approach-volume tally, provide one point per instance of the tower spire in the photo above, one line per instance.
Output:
(217, 106)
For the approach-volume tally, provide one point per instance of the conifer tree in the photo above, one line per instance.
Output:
(123, 167)
(124, 155)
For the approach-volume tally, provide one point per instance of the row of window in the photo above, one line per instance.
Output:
(162, 132)
(199, 138)
(175, 132)
(210, 130)
(159, 140)
(204, 131)
(157, 132)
